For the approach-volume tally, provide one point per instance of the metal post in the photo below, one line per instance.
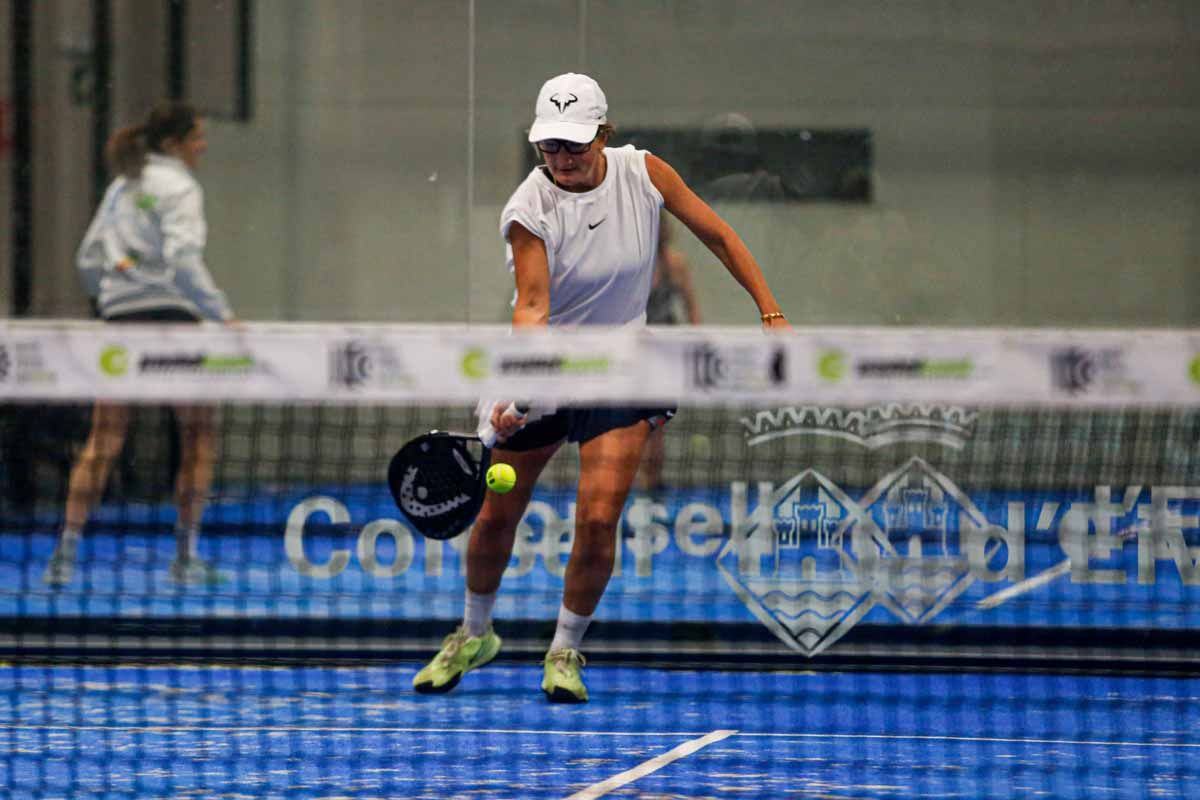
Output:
(22, 157)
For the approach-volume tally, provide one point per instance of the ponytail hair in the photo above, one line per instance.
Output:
(127, 148)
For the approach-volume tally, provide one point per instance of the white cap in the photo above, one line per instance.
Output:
(570, 107)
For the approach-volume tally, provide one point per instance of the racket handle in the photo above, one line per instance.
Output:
(487, 433)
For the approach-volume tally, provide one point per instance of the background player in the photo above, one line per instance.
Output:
(142, 260)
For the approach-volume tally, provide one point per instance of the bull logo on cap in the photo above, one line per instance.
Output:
(561, 105)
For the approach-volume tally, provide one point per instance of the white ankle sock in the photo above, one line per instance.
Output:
(185, 542)
(570, 630)
(478, 615)
(68, 541)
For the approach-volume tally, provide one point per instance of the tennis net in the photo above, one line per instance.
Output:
(981, 539)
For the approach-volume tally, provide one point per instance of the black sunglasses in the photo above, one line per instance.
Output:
(552, 146)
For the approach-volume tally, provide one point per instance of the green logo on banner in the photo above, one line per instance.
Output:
(474, 364)
(961, 368)
(114, 360)
(832, 366)
(1194, 369)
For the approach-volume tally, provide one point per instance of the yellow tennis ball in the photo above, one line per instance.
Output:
(501, 478)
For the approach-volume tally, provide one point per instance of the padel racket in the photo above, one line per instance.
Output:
(438, 481)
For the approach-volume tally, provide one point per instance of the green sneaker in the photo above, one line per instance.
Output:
(460, 654)
(562, 680)
(61, 568)
(194, 572)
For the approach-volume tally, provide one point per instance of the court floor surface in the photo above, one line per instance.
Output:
(219, 731)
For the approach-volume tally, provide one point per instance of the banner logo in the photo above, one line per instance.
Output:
(477, 365)
(1077, 370)
(114, 361)
(358, 363)
(24, 363)
(1072, 370)
(831, 366)
(196, 362)
(712, 368)
(812, 561)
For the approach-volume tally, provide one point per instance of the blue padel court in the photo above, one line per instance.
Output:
(352, 727)
(310, 732)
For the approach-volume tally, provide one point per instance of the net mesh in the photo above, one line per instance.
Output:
(925, 595)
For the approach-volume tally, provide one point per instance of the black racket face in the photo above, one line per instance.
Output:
(437, 483)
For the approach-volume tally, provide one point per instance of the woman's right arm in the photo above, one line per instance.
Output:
(532, 272)
(531, 268)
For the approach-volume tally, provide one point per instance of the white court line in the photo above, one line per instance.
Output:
(646, 767)
(1026, 586)
(984, 739)
(897, 737)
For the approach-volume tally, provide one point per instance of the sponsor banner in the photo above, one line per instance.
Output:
(805, 557)
(742, 370)
(24, 365)
(1110, 368)
(369, 365)
(581, 367)
(691, 366)
(867, 366)
(172, 364)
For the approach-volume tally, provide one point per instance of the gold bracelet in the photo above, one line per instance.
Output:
(772, 315)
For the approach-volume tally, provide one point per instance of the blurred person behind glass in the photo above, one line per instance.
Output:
(142, 261)
(733, 162)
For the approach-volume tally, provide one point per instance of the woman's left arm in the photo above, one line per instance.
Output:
(717, 235)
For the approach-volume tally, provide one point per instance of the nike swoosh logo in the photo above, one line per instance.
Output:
(592, 227)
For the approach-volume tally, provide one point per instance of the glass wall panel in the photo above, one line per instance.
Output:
(887, 163)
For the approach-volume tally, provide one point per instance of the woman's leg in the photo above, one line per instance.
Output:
(494, 531)
(489, 549)
(608, 464)
(89, 476)
(197, 452)
(86, 485)
(650, 473)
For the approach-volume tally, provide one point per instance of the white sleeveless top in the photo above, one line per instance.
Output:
(601, 244)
